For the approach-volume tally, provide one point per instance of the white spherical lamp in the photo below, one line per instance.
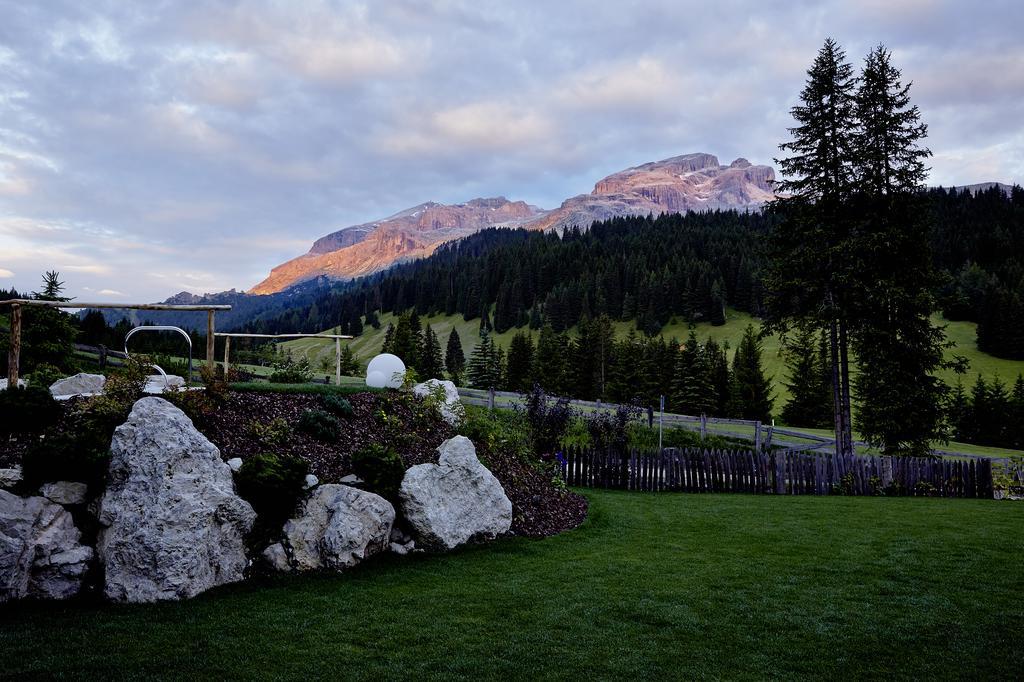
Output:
(385, 371)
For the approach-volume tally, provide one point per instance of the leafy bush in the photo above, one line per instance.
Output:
(304, 389)
(337, 405)
(611, 429)
(271, 434)
(381, 469)
(319, 425)
(287, 370)
(548, 420)
(27, 409)
(70, 456)
(45, 375)
(273, 485)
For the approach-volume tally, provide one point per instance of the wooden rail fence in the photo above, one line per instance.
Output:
(780, 472)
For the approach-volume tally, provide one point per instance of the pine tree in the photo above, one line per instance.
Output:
(693, 391)
(809, 404)
(485, 364)
(810, 271)
(958, 412)
(48, 334)
(454, 359)
(549, 367)
(752, 392)
(899, 349)
(350, 366)
(389, 340)
(519, 372)
(430, 364)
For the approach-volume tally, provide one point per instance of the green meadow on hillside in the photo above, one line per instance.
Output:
(369, 344)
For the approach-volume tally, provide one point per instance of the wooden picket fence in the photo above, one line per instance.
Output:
(779, 472)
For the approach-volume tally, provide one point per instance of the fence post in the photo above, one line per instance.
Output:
(757, 436)
(703, 426)
(337, 361)
(886, 470)
(209, 339)
(103, 355)
(14, 352)
(227, 356)
(490, 398)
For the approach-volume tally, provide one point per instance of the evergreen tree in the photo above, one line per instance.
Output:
(549, 367)
(484, 369)
(958, 412)
(430, 364)
(810, 403)
(721, 376)
(389, 340)
(693, 391)
(47, 334)
(752, 392)
(810, 274)
(519, 372)
(899, 349)
(350, 366)
(406, 339)
(454, 359)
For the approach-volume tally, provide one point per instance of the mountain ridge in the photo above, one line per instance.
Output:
(678, 184)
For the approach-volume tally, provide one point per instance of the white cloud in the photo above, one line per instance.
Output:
(5, 273)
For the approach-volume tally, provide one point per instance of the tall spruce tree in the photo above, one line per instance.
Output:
(430, 364)
(810, 400)
(519, 371)
(454, 358)
(549, 366)
(899, 349)
(810, 273)
(752, 390)
(484, 369)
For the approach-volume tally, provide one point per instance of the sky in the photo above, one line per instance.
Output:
(148, 148)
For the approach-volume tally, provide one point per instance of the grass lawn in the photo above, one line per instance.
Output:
(652, 586)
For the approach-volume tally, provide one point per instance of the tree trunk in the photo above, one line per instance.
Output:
(837, 403)
(844, 364)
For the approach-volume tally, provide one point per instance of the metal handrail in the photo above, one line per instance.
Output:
(163, 328)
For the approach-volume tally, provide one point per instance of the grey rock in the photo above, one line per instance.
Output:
(64, 492)
(3, 383)
(311, 481)
(173, 525)
(402, 549)
(79, 384)
(10, 477)
(40, 551)
(156, 383)
(450, 406)
(456, 500)
(351, 479)
(235, 464)
(339, 526)
(397, 535)
(277, 557)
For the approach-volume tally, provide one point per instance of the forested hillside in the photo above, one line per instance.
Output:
(690, 267)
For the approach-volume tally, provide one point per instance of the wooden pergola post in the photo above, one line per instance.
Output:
(14, 353)
(227, 356)
(209, 339)
(337, 362)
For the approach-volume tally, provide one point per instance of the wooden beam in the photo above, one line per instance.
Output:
(209, 339)
(131, 306)
(239, 335)
(14, 353)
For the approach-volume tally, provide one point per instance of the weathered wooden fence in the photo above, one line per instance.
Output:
(780, 472)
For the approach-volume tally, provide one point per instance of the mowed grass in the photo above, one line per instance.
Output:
(961, 333)
(652, 586)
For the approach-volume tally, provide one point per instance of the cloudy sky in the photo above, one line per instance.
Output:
(149, 148)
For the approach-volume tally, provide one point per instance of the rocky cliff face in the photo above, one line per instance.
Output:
(693, 182)
(413, 233)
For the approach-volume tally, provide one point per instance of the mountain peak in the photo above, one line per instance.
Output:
(689, 182)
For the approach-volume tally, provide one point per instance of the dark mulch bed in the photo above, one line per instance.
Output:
(228, 429)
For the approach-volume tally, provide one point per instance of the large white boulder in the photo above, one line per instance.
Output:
(456, 500)
(79, 384)
(158, 383)
(40, 553)
(173, 525)
(445, 391)
(339, 526)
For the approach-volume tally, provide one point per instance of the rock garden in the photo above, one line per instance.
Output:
(111, 493)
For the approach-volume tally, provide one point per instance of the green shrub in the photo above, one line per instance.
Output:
(27, 409)
(503, 431)
(287, 370)
(381, 469)
(273, 433)
(337, 405)
(319, 425)
(45, 375)
(273, 485)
